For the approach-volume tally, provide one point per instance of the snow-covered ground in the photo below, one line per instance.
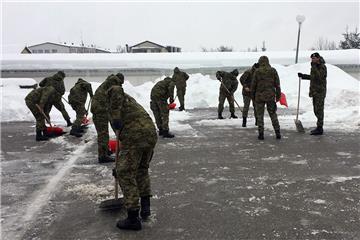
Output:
(166, 60)
(341, 105)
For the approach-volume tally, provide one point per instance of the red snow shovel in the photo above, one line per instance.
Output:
(172, 106)
(117, 202)
(55, 131)
(283, 100)
(112, 145)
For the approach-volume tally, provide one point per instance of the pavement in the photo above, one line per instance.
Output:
(209, 182)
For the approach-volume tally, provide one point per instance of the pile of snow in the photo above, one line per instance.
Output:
(341, 104)
(183, 60)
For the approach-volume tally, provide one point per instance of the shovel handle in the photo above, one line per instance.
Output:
(42, 112)
(117, 151)
(65, 100)
(88, 107)
(298, 103)
(231, 95)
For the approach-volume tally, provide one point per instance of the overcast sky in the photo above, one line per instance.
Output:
(184, 24)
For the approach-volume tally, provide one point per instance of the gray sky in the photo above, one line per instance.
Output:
(187, 25)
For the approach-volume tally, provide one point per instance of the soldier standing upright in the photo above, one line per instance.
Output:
(245, 80)
(160, 93)
(180, 79)
(77, 100)
(317, 91)
(228, 86)
(57, 81)
(99, 109)
(39, 98)
(265, 90)
(138, 138)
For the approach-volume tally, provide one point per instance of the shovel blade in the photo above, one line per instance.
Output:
(299, 126)
(112, 204)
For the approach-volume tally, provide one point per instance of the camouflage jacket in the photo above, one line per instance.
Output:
(139, 130)
(41, 96)
(246, 79)
(266, 83)
(57, 81)
(180, 78)
(99, 100)
(78, 93)
(230, 82)
(163, 90)
(317, 79)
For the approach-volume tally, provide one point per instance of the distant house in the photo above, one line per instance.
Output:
(49, 47)
(151, 47)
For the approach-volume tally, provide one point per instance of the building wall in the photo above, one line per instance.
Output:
(49, 48)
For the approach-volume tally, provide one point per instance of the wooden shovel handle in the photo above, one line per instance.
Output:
(42, 112)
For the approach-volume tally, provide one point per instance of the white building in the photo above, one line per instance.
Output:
(49, 47)
(151, 47)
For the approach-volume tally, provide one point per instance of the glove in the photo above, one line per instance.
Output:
(300, 75)
(310, 94)
(278, 98)
(171, 100)
(117, 124)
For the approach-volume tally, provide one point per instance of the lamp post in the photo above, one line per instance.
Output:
(300, 19)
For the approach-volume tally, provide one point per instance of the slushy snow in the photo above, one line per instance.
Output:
(341, 104)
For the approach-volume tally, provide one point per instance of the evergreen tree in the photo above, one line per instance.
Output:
(351, 40)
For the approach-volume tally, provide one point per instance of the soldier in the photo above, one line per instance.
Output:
(245, 81)
(180, 78)
(57, 81)
(41, 97)
(228, 86)
(138, 138)
(265, 89)
(317, 91)
(99, 109)
(77, 100)
(160, 93)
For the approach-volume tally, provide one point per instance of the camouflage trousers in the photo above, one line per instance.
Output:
(132, 171)
(247, 101)
(160, 110)
(318, 104)
(39, 117)
(222, 97)
(101, 122)
(180, 92)
(59, 106)
(80, 113)
(271, 108)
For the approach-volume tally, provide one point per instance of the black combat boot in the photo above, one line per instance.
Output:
(244, 122)
(167, 134)
(40, 137)
(255, 121)
(220, 116)
(161, 132)
(145, 207)
(106, 159)
(278, 135)
(75, 132)
(233, 115)
(317, 131)
(69, 123)
(261, 135)
(132, 222)
(181, 108)
(48, 134)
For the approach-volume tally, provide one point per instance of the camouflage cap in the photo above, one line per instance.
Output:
(121, 77)
(176, 70)
(61, 73)
(315, 54)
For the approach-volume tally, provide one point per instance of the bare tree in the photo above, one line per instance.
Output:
(224, 48)
(120, 49)
(324, 44)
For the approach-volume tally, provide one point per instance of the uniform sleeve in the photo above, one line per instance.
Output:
(277, 85)
(244, 77)
(45, 95)
(234, 85)
(254, 85)
(116, 98)
(171, 90)
(306, 76)
(89, 90)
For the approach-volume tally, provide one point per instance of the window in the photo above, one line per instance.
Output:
(47, 51)
(34, 51)
(40, 51)
(54, 51)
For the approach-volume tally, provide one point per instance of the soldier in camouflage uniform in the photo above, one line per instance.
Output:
(41, 97)
(99, 109)
(317, 91)
(77, 100)
(160, 93)
(265, 90)
(57, 81)
(179, 77)
(245, 80)
(137, 134)
(227, 90)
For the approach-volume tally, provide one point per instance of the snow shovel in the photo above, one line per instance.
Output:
(298, 124)
(55, 131)
(117, 202)
(231, 95)
(85, 121)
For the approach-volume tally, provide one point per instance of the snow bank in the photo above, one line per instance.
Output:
(341, 105)
(166, 60)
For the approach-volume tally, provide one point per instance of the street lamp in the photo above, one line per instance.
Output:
(300, 19)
